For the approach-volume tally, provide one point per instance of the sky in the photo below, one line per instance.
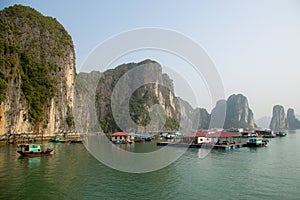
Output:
(255, 45)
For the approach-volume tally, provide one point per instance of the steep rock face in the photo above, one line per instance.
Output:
(278, 121)
(218, 114)
(199, 117)
(84, 109)
(136, 86)
(204, 118)
(291, 121)
(238, 113)
(37, 73)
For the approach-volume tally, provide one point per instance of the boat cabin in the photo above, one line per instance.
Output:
(31, 148)
(256, 141)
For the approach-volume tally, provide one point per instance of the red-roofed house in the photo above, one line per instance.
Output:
(121, 136)
(223, 135)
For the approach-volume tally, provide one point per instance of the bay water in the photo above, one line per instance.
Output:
(271, 172)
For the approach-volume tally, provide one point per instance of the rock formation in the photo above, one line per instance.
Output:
(218, 114)
(238, 113)
(37, 73)
(278, 121)
(291, 121)
(84, 109)
(126, 95)
(199, 116)
(149, 95)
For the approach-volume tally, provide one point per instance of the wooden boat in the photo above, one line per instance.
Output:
(58, 139)
(75, 141)
(139, 140)
(120, 142)
(33, 150)
(281, 134)
(257, 142)
(170, 136)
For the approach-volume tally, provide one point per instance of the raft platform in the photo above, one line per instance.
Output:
(208, 146)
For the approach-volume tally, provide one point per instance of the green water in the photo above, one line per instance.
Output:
(271, 172)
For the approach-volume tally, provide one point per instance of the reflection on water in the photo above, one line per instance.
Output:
(31, 162)
(140, 147)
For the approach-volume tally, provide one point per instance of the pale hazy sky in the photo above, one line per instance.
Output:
(255, 45)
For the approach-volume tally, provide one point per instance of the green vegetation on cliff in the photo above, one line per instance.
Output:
(142, 98)
(31, 46)
(3, 86)
(37, 86)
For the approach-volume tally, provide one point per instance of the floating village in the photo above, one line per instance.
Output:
(212, 139)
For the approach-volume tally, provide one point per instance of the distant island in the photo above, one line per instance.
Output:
(280, 121)
(37, 85)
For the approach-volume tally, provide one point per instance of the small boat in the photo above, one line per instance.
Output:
(257, 142)
(75, 141)
(281, 134)
(33, 150)
(170, 136)
(58, 139)
(139, 139)
(120, 142)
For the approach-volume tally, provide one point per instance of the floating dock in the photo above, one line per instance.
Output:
(208, 146)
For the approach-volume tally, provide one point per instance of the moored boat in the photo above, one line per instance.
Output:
(281, 134)
(58, 139)
(257, 142)
(75, 141)
(170, 136)
(33, 150)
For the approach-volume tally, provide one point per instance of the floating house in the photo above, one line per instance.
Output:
(223, 137)
(121, 137)
(265, 133)
(196, 138)
(140, 138)
(211, 139)
(215, 137)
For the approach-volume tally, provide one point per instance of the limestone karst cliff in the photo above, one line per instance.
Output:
(278, 121)
(237, 113)
(137, 86)
(85, 116)
(37, 73)
(200, 118)
(140, 86)
(292, 122)
(145, 86)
